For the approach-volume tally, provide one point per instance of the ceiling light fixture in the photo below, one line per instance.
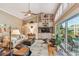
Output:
(29, 12)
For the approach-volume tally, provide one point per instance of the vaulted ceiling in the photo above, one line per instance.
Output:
(16, 9)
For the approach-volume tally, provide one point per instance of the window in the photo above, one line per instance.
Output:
(73, 35)
(65, 6)
(67, 35)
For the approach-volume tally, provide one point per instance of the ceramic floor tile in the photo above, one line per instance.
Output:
(39, 49)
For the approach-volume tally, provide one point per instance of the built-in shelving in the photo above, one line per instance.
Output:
(45, 26)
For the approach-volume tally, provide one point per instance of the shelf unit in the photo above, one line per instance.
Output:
(45, 26)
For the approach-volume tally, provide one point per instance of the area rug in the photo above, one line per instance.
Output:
(38, 48)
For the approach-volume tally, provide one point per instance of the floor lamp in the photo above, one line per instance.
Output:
(10, 41)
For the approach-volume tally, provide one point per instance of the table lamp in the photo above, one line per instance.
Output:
(15, 32)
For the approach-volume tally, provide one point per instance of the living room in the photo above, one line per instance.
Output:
(34, 29)
(24, 35)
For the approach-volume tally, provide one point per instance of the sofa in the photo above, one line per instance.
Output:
(20, 50)
(28, 42)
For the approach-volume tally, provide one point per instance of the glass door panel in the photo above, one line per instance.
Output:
(73, 36)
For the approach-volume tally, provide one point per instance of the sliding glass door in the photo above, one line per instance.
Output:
(67, 35)
(73, 35)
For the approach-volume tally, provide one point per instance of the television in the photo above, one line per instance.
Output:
(45, 30)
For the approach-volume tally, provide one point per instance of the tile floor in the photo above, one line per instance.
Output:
(39, 48)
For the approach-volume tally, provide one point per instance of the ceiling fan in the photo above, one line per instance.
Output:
(29, 12)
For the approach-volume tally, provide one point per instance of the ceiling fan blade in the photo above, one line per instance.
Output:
(25, 14)
(34, 14)
(41, 13)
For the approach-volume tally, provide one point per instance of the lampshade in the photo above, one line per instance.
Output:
(15, 32)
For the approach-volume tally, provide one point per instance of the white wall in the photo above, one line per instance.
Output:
(10, 20)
